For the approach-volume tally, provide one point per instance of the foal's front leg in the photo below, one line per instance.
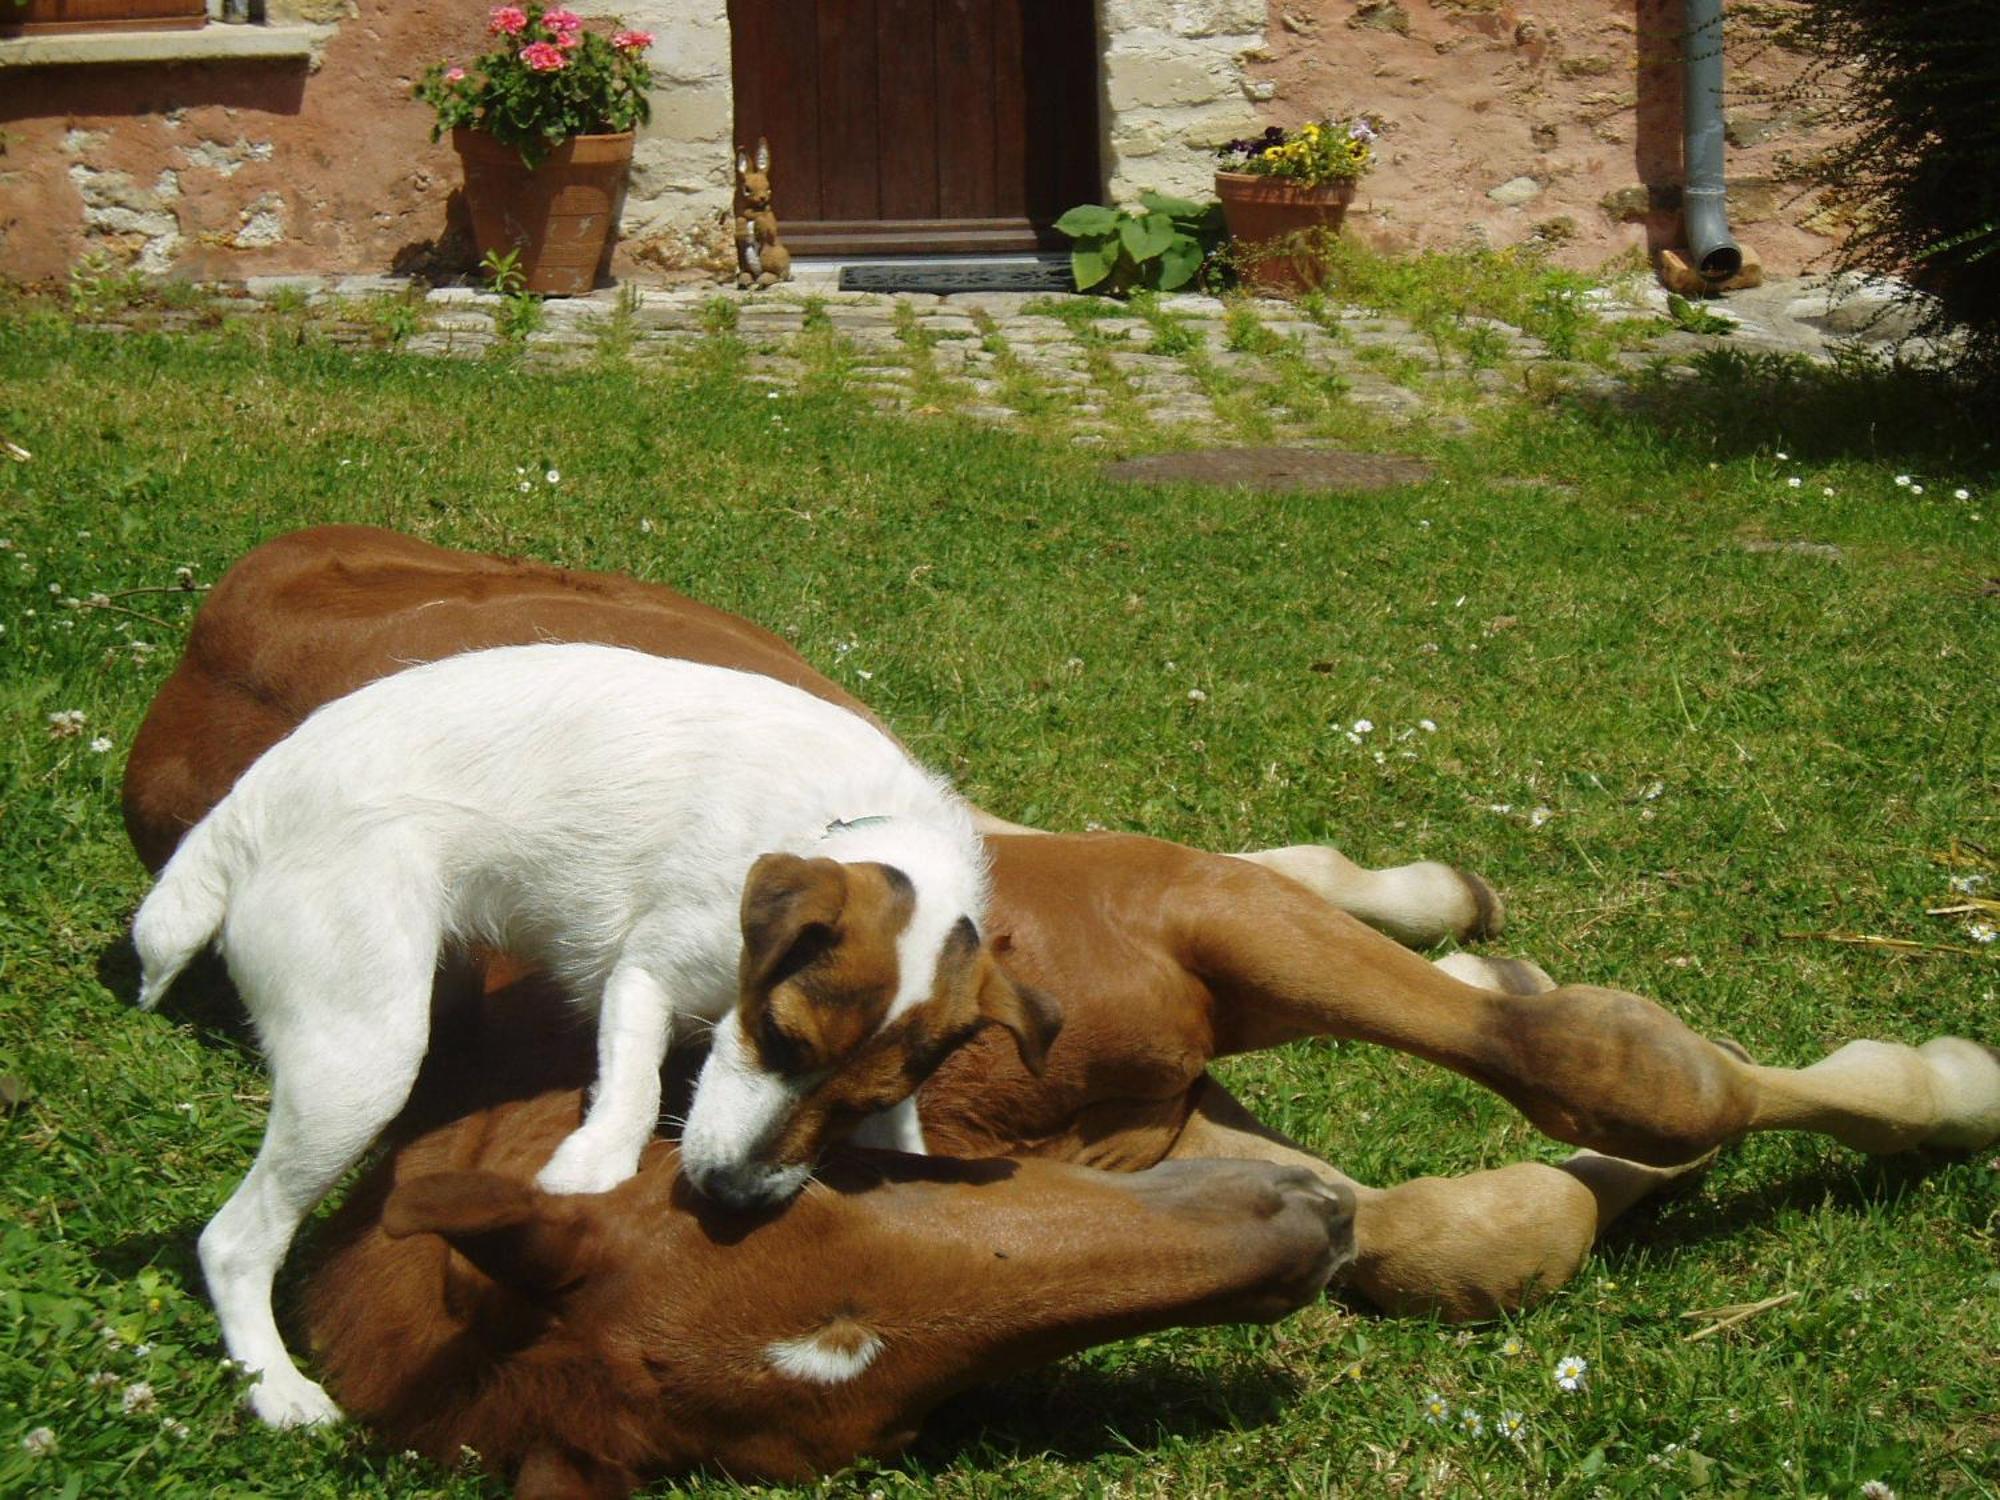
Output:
(1462, 1248)
(632, 1029)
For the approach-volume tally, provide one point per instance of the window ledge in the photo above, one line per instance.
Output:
(211, 43)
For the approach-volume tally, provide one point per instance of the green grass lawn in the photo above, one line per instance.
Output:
(1678, 749)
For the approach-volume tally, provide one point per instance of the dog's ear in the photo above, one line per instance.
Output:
(514, 1233)
(791, 915)
(1033, 1016)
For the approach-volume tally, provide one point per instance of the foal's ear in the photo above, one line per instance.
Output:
(1033, 1016)
(791, 915)
(516, 1234)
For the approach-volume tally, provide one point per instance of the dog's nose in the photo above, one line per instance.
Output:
(748, 1185)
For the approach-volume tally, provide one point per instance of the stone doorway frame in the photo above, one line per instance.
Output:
(1173, 82)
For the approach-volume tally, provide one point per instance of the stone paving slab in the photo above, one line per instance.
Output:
(987, 354)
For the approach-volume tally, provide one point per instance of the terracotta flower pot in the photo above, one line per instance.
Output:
(1267, 218)
(562, 216)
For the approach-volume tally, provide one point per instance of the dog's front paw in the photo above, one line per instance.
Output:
(582, 1166)
(285, 1398)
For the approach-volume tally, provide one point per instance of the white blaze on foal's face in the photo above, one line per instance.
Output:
(856, 982)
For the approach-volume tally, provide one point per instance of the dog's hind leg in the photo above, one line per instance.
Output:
(338, 982)
(632, 1028)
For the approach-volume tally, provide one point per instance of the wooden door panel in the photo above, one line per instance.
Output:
(968, 162)
(920, 124)
(906, 84)
(850, 171)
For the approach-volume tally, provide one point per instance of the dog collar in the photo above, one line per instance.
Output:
(842, 825)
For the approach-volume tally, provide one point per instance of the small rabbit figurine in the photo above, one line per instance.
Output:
(760, 259)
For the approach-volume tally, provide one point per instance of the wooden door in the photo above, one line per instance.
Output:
(920, 126)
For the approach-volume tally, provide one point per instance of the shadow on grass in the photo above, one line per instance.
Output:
(1738, 402)
(1696, 1217)
(202, 996)
(1076, 1412)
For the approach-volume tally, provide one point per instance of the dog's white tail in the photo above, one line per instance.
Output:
(183, 912)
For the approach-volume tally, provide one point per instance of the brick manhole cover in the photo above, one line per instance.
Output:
(1275, 469)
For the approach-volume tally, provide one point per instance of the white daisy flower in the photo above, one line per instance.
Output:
(99, 745)
(1570, 1372)
(1471, 1422)
(1794, 482)
(1363, 726)
(1902, 481)
(1956, 495)
(1436, 1408)
(1511, 1347)
(554, 476)
(1916, 489)
(1511, 1425)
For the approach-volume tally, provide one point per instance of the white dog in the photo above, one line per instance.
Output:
(668, 839)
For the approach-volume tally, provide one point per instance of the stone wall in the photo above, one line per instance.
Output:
(1556, 119)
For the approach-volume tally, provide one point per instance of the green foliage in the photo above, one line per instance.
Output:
(520, 311)
(97, 286)
(1919, 163)
(546, 79)
(1692, 317)
(1162, 245)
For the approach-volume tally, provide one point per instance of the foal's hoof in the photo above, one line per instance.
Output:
(1489, 916)
(285, 1398)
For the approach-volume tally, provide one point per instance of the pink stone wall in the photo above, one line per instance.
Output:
(1571, 109)
(227, 169)
(1511, 119)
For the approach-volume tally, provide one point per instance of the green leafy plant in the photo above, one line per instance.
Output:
(1161, 245)
(545, 80)
(1692, 317)
(1318, 153)
(520, 310)
(1918, 175)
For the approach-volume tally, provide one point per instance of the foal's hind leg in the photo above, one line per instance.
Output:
(339, 986)
(1420, 904)
(1593, 1067)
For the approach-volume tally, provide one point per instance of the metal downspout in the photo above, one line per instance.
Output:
(1704, 206)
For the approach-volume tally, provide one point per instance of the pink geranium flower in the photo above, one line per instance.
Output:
(454, 75)
(560, 20)
(509, 20)
(632, 41)
(544, 57)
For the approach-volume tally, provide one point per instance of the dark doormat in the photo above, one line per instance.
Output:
(960, 276)
(1275, 469)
